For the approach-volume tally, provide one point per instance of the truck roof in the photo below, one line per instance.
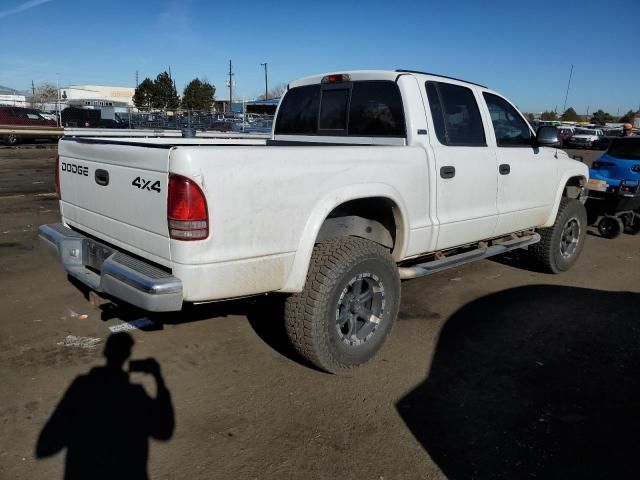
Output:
(392, 75)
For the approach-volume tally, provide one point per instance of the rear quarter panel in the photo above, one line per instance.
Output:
(271, 201)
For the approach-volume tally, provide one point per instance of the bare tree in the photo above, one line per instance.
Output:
(44, 93)
(275, 92)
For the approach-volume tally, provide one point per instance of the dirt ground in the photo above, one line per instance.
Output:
(492, 371)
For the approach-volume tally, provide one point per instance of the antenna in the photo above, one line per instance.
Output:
(564, 109)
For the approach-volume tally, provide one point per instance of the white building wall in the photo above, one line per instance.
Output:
(92, 92)
(13, 100)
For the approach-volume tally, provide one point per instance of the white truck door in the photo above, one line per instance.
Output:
(466, 169)
(525, 190)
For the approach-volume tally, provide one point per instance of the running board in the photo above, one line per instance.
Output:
(434, 266)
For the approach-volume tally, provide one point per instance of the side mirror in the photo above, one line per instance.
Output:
(547, 137)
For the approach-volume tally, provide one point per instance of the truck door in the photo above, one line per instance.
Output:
(466, 172)
(526, 190)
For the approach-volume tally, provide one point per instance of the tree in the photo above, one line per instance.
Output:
(165, 95)
(627, 117)
(570, 115)
(546, 115)
(143, 96)
(600, 117)
(275, 92)
(44, 93)
(198, 95)
(530, 116)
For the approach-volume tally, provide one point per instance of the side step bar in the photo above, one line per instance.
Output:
(434, 266)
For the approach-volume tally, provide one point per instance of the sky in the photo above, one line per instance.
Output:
(522, 49)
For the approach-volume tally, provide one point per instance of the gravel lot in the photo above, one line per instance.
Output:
(493, 371)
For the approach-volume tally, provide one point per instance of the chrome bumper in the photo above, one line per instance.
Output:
(120, 275)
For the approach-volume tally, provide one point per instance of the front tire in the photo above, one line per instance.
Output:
(561, 245)
(348, 306)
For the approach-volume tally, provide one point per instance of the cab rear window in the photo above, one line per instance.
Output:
(362, 109)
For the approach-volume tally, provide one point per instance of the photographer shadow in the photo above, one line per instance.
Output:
(105, 421)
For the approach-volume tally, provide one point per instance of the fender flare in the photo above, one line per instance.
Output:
(298, 272)
(559, 193)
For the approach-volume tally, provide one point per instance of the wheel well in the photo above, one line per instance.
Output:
(370, 218)
(574, 187)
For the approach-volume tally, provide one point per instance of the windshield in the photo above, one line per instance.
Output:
(585, 132)
(625, 148)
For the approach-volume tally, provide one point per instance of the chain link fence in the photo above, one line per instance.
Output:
(168, 120)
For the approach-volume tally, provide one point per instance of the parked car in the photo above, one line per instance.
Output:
(564, 133)
(586, 138)
(20, 116)
(369, 177)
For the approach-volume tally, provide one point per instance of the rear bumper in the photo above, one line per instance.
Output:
(120, 275)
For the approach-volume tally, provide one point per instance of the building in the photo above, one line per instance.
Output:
(12, 97)
(265, 107)
(636, 120)
(109, 100)
(109, 96)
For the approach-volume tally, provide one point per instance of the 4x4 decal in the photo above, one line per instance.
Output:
(143, 184)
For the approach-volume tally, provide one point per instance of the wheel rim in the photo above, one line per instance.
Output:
(570, 238)
(360, 309)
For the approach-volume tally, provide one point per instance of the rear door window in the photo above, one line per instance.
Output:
(456, 116)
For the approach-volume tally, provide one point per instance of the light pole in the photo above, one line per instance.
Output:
(266, 82)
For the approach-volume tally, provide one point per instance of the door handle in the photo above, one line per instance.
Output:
(448, 172)
(504, 169)
(102, 177)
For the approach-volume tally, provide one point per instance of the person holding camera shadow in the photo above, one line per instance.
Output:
(105, 421)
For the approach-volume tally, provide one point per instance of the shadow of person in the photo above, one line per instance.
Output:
(104, 421)
(534, 382)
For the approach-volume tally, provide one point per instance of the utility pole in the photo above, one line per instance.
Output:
(266, 82)
(564, 109)
(33, 89)
(136, 78)
(230, 86)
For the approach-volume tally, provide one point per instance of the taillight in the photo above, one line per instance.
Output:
(57, 176)
(187, 213)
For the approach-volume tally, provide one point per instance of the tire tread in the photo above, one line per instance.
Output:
(329, 261)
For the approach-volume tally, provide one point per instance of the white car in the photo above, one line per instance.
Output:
(369, 177)
(586, 138)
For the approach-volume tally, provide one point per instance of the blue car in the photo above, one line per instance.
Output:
(614, 188)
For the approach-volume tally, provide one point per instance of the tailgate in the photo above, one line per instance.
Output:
(117, 191)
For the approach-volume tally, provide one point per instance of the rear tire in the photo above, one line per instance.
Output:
(348, 306)
(561, 245)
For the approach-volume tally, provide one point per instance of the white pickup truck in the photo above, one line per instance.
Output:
(369, 178)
